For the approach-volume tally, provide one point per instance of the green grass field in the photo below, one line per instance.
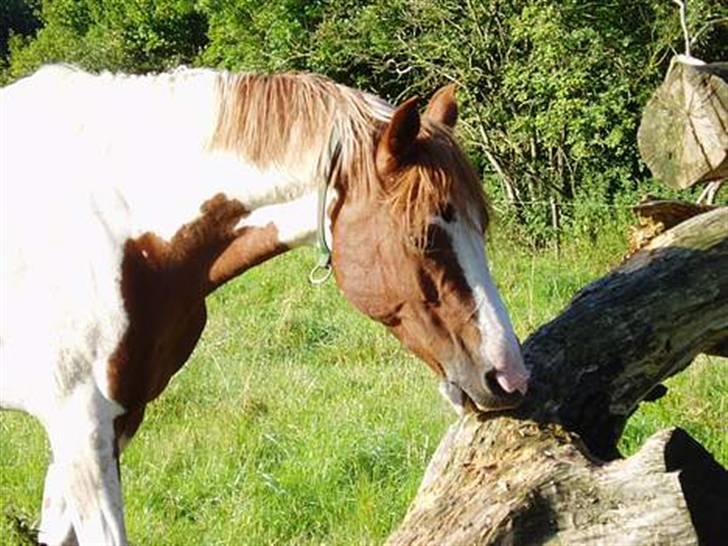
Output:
(297, 421)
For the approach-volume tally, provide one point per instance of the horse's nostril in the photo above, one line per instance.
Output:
(497, 398)
(492, 382)
(495, 388)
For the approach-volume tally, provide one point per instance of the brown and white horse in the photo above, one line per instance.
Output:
(127, 200)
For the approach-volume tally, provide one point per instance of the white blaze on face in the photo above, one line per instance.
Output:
(499, 345)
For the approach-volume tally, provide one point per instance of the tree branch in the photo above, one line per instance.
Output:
(630, 330)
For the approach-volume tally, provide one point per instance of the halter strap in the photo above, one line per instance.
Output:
(323, 268)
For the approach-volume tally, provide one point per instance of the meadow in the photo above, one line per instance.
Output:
(298, 421)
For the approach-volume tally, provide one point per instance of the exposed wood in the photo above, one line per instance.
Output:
(655, 216)
(683, 136)
(550, 492)
(540, 475)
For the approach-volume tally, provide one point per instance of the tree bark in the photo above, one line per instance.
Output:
(550, 471)
(683, 136)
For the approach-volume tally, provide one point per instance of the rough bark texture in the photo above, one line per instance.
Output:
(550, 473)
(683, 136)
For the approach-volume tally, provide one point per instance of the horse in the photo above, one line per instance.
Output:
(127, 200)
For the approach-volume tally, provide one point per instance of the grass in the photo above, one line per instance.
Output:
(299, 422)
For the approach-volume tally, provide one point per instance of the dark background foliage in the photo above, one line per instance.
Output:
(551, 91)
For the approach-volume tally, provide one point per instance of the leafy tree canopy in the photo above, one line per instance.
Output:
(551, 90)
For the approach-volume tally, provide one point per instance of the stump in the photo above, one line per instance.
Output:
(550, 472)
(683, 136)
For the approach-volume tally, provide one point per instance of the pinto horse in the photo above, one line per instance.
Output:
(127, 200)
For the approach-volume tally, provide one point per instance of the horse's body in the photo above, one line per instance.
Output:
(127, 200)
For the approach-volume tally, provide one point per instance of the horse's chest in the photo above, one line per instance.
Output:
(166, 314)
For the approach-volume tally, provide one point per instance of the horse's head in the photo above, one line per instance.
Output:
(409, 252)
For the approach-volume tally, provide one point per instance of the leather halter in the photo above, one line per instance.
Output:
(323, 268)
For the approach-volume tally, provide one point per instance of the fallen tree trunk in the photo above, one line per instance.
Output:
(550, 472)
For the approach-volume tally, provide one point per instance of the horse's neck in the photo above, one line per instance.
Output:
(234, 214)
(170, 192)
(264, 233)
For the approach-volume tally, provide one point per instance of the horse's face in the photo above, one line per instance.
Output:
(420, 268)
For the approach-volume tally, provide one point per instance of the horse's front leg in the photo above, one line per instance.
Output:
(83, 482)
(56, 528)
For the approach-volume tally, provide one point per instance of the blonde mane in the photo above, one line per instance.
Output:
(305, 119)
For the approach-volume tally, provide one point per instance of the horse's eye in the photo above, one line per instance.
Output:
(434, 241)
(448, 213)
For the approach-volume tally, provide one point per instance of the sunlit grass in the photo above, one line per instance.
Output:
(297, 421)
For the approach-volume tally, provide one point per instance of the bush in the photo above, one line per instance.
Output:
(551, 92)
(136, 37)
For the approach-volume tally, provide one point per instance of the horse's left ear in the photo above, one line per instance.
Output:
(442, 106)
(398, 138)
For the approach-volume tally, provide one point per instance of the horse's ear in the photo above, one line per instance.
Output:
(443, 107)
(398, 137)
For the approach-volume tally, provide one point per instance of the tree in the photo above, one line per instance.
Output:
(135, 37)
(18, 19)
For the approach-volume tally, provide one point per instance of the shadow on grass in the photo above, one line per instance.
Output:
(23, 529)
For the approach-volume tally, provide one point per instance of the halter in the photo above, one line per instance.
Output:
(323, 268)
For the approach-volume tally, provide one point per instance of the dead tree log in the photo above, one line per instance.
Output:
(683, 136)
(550, 471)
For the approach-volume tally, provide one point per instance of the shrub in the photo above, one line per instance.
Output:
(551, 92)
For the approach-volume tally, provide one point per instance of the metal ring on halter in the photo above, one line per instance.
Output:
(316, 279)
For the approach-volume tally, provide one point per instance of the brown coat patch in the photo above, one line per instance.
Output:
(164, 285)
(421, 296)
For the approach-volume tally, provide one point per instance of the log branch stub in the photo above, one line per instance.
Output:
(683, 135)
(655, 216)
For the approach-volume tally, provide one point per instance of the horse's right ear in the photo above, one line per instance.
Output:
(398, 138)
(443, 107)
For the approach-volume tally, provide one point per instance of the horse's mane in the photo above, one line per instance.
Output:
(294, 119)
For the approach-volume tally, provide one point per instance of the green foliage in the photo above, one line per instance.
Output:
(18, 17)
(551, 92)
(138, 36)
(258, 34)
